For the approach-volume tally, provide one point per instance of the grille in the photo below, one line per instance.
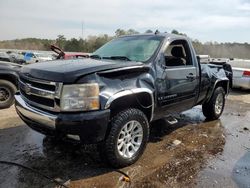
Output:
(40, 93)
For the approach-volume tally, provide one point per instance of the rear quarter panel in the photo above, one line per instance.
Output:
(211, 75)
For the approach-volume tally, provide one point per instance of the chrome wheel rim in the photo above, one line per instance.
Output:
(4, 94)
(130, 139)
(219, 104)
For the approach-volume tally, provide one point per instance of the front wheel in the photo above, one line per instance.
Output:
(213, 109)
(7, 92)
(127, 138)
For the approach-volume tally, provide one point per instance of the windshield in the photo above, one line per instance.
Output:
(134, 48)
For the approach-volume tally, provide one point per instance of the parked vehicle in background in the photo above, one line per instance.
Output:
(75, 55)
(43, 56)
(29, 57)
(8, 83)
(12, 57)
(4, 57)
(241, 73)
(17, 58)
(34, 57)
(111, 97)
(70, 55)
(204, 58)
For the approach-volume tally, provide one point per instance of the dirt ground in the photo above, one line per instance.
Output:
(192, 153)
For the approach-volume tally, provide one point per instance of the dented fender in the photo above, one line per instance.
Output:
(217, 76)
(124, 82)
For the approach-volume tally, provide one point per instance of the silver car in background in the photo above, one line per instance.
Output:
(241, 73)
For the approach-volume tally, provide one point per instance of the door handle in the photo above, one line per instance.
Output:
(191, 76)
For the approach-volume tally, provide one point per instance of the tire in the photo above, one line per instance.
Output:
(7, 92)
(213, 109)
(128, 122)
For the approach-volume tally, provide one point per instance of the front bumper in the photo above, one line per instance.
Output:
(90, 127)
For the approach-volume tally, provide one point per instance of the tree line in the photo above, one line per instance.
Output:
(91, 43)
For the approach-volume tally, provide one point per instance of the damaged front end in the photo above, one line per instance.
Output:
(125, 87)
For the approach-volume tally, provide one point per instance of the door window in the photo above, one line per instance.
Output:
(178, 54)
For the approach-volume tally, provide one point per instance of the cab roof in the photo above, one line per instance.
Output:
(165, 35)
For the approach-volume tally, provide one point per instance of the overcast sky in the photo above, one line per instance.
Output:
(211, 20)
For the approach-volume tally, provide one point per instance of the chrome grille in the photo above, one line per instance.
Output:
(40, 93)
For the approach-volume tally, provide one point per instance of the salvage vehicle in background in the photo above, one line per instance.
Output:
(4, 57)
(111, 97)
(241, 73)
(42, 56)
(34, 57)
(17, 58)
(70, 55)
(8, 83)
(12, 57)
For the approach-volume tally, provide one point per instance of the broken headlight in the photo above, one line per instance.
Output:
(80, 97)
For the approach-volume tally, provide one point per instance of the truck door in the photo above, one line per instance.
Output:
(178, 78)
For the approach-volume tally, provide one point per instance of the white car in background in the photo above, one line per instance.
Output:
(241, 73)
(43, 57)
(33, 57)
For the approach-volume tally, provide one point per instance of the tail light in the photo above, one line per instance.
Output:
(246, 73)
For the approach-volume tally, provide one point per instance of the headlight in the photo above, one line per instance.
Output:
(80, 97)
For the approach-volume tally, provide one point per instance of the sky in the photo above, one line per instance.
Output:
(211, 20)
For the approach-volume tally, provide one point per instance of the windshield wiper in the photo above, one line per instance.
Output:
(124, 58)
(95, 56)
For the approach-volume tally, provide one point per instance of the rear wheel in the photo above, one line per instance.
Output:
(127, 138)
(7, 92)
(214, 108)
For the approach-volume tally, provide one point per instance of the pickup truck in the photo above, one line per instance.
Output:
(110, 98)
(8, 83)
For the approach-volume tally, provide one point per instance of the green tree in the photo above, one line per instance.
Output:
(132, 32)
(73, 45)
(149, 31)
(60, 41)
(175, 32)
(120, 32)
(91, 43)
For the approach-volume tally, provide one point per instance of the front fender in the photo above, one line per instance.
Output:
(10, 76)
(130, 92)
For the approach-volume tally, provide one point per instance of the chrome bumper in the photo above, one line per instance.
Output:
(243, 82)
(34, 114)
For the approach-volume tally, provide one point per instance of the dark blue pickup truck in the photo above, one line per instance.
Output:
(111, 97)
(8, 83)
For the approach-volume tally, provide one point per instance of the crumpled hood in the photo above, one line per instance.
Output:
(68, 71)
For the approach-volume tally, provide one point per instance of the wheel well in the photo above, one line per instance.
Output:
(141, 101)
(9, 78)
(224, 85)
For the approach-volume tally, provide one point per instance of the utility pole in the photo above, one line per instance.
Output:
(82, 29)
(82, 34)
